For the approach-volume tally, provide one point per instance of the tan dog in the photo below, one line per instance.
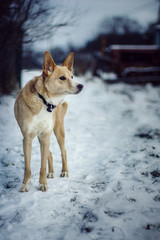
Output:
(39, 110)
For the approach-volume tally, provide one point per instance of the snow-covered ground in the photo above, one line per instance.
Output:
(113, 189)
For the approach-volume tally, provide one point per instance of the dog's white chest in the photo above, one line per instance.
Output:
(42, 123)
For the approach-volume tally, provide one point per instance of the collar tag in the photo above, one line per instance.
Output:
(50, 107)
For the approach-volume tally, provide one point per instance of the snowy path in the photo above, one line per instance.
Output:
(113, 189)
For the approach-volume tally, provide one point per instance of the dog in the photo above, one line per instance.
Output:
(40, 109)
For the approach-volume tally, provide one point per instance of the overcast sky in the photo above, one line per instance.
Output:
(90, 13)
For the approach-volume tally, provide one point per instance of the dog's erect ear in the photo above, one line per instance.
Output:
(48, 64)
(69, 61)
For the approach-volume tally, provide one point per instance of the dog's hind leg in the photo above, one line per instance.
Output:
(60, 135)
(50, 166)
(44, 145)
(27, 148)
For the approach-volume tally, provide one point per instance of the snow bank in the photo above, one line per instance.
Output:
(133, 47)
(149, 70)
(106, 75)
(112, 141)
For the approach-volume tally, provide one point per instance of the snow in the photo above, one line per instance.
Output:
(140, 70)
(112, 142)
(133, 47)
(106, 75)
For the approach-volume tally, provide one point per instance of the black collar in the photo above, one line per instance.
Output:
(50, 107)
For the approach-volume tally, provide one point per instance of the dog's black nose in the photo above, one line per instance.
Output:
(80, 87)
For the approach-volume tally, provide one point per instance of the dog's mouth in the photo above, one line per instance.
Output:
(78, 91)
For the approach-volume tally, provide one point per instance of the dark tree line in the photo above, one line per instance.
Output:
(23, 21)
(120, 30)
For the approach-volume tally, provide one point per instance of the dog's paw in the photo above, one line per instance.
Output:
(43, 187)
(64, 174)
(25, 187)
(50, 175)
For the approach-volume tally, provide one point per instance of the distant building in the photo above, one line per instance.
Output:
(120, 57)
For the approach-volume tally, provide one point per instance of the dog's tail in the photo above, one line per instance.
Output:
(65, 106)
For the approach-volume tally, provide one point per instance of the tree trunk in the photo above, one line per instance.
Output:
(19, 63)
(10, 69)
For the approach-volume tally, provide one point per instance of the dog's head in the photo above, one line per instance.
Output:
(58, 80)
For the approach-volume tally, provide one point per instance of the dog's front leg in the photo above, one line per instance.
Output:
(44, 144)
(50, 166)
(27, 148)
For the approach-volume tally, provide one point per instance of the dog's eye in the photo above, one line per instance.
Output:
(62, 78)
(72, 77)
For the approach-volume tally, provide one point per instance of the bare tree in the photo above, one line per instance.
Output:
(23, 21)
(120, 25)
